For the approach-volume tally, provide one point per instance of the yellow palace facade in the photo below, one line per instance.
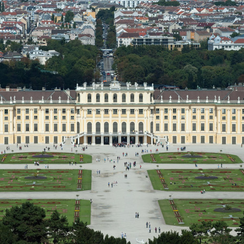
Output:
(106, 114)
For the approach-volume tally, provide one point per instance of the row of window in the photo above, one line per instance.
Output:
(194, 117)
(46, 117)
(174, 140)
(194, 127)
(115, 111)
(47, 110)
(124, 127)
(115, 127)
(35, 128)
(202, 139)
(194, 110)
(115, 98)
(157, 111)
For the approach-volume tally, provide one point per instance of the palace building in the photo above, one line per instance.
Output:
(104, 114)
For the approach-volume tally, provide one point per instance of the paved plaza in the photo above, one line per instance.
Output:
(113, 208)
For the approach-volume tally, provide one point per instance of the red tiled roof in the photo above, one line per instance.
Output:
(129, 35)
(239, 41)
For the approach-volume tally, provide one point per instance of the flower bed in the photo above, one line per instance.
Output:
(162, 179)
(176, 211)
(81, 158)
(230, 158)
(153, 159)
(3, 159)
(42, 156)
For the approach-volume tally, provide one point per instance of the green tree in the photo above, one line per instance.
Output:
(234, 34)
(2, 7)
(227, 3)
(52, 18)
(69, 16)
(168, 3)
(74, 25)
(58, 228)
(26, 223)
(221, 233)
(240, 231)
(201, 230)
(177, 37)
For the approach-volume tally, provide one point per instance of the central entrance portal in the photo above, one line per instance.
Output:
(124, 139)
(132, 140)
(115, 139)
(106, 140)
(98, 139)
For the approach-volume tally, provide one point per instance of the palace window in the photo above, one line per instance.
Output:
(98, 98)
(123, 98)
(89, 99)
(140, 98)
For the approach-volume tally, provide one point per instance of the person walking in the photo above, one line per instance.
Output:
(159, 230)
(146, 224)
(155, 229)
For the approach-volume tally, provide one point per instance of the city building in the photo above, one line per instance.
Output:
(104, 114)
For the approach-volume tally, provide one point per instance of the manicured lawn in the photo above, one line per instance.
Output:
(64, 207)
(193, 211)
(54, 180)
(45, 158)
(191, 158)
(184, 180)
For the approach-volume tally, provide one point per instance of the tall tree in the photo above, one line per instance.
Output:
(58, 228)
(26, 223)
(69, 16)
(240, 231)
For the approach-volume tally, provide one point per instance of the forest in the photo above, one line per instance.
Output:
(152, 64)
(75, 64)
(189, 68)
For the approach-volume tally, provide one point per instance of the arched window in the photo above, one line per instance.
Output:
(115, 98)
(123, 98)
(151, 97)
(98, 98)
(89, 128)
(140, 127)
(115, 127)
(140, 98)
(98, 129)
(123, 127)
(132, 98)
(151, 127)
(89, 98)
(132, 127)
(78, 97)
(106, 127)
(106, 98)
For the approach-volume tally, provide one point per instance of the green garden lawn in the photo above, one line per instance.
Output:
(193, 211)
(64, 207)
(44, 158)
(184, 180)
(191, 158)
(53, 180)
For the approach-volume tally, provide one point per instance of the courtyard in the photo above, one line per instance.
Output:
(113, 208)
